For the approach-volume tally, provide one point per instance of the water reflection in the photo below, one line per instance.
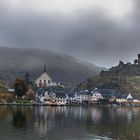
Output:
(70, 123)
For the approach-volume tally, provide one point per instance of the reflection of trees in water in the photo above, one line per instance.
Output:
(19, 118)
(5, 113)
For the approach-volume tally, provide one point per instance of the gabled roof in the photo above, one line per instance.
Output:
(44, 74)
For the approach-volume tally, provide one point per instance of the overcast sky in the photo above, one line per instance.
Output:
(101, 32)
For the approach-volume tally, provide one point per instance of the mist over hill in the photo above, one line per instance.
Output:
(14, 62)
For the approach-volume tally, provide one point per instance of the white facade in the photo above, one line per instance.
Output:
(129, 97)
(83, 96)
(44, 80)
(96, 96)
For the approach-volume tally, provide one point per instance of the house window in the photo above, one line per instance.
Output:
(49, 81)
(40, 83)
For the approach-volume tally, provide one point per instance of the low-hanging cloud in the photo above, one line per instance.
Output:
(89, 33)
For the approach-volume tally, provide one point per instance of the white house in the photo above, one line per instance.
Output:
(122, 98)
(129, 97)
(96, 96)
(83, 96)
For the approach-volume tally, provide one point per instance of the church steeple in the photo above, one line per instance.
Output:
(44, 68)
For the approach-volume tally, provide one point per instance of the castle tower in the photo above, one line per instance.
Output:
(138, 58)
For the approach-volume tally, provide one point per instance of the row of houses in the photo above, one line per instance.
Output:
(83, 97)
(64, 97)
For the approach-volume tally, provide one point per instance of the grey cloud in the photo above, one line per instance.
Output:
(90, 36)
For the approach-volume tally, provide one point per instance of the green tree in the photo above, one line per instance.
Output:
(20, 87)
(27, 76)
(89, 84)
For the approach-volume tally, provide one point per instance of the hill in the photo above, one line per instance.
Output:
(124, 77)
(3, 89)
(15, 62)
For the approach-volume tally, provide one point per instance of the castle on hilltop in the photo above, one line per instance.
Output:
(137, 61)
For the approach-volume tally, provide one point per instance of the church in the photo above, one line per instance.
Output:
(44, 80)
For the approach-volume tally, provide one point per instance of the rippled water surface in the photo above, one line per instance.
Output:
(69, 123)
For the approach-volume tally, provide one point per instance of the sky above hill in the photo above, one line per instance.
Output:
(101, 32)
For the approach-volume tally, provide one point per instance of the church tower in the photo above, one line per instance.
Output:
(44, 70)
(138, 58)
(44, 80)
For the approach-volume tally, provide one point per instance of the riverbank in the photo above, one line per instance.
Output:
(43, 104)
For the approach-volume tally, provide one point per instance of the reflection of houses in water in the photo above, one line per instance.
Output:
(96, 114)
(41, 123)
(47, 120)
(128, 113)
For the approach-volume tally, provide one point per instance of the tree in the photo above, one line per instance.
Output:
(135, 61)
(27, 76)
(90, 83)
(20, 87)
(30, 95)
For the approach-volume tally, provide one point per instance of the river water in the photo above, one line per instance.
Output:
(69, 123)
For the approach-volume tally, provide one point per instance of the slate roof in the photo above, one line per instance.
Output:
(41, 92)
(61, 95)
(84, 93)
(106, 92)
(70, 95)
(123, 96)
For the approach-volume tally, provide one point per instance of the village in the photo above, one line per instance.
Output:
(47, 92)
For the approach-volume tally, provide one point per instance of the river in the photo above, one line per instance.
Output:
(69, 123)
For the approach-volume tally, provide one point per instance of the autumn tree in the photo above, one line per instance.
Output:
(30, 95)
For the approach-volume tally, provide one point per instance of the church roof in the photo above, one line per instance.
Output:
(44, 74)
